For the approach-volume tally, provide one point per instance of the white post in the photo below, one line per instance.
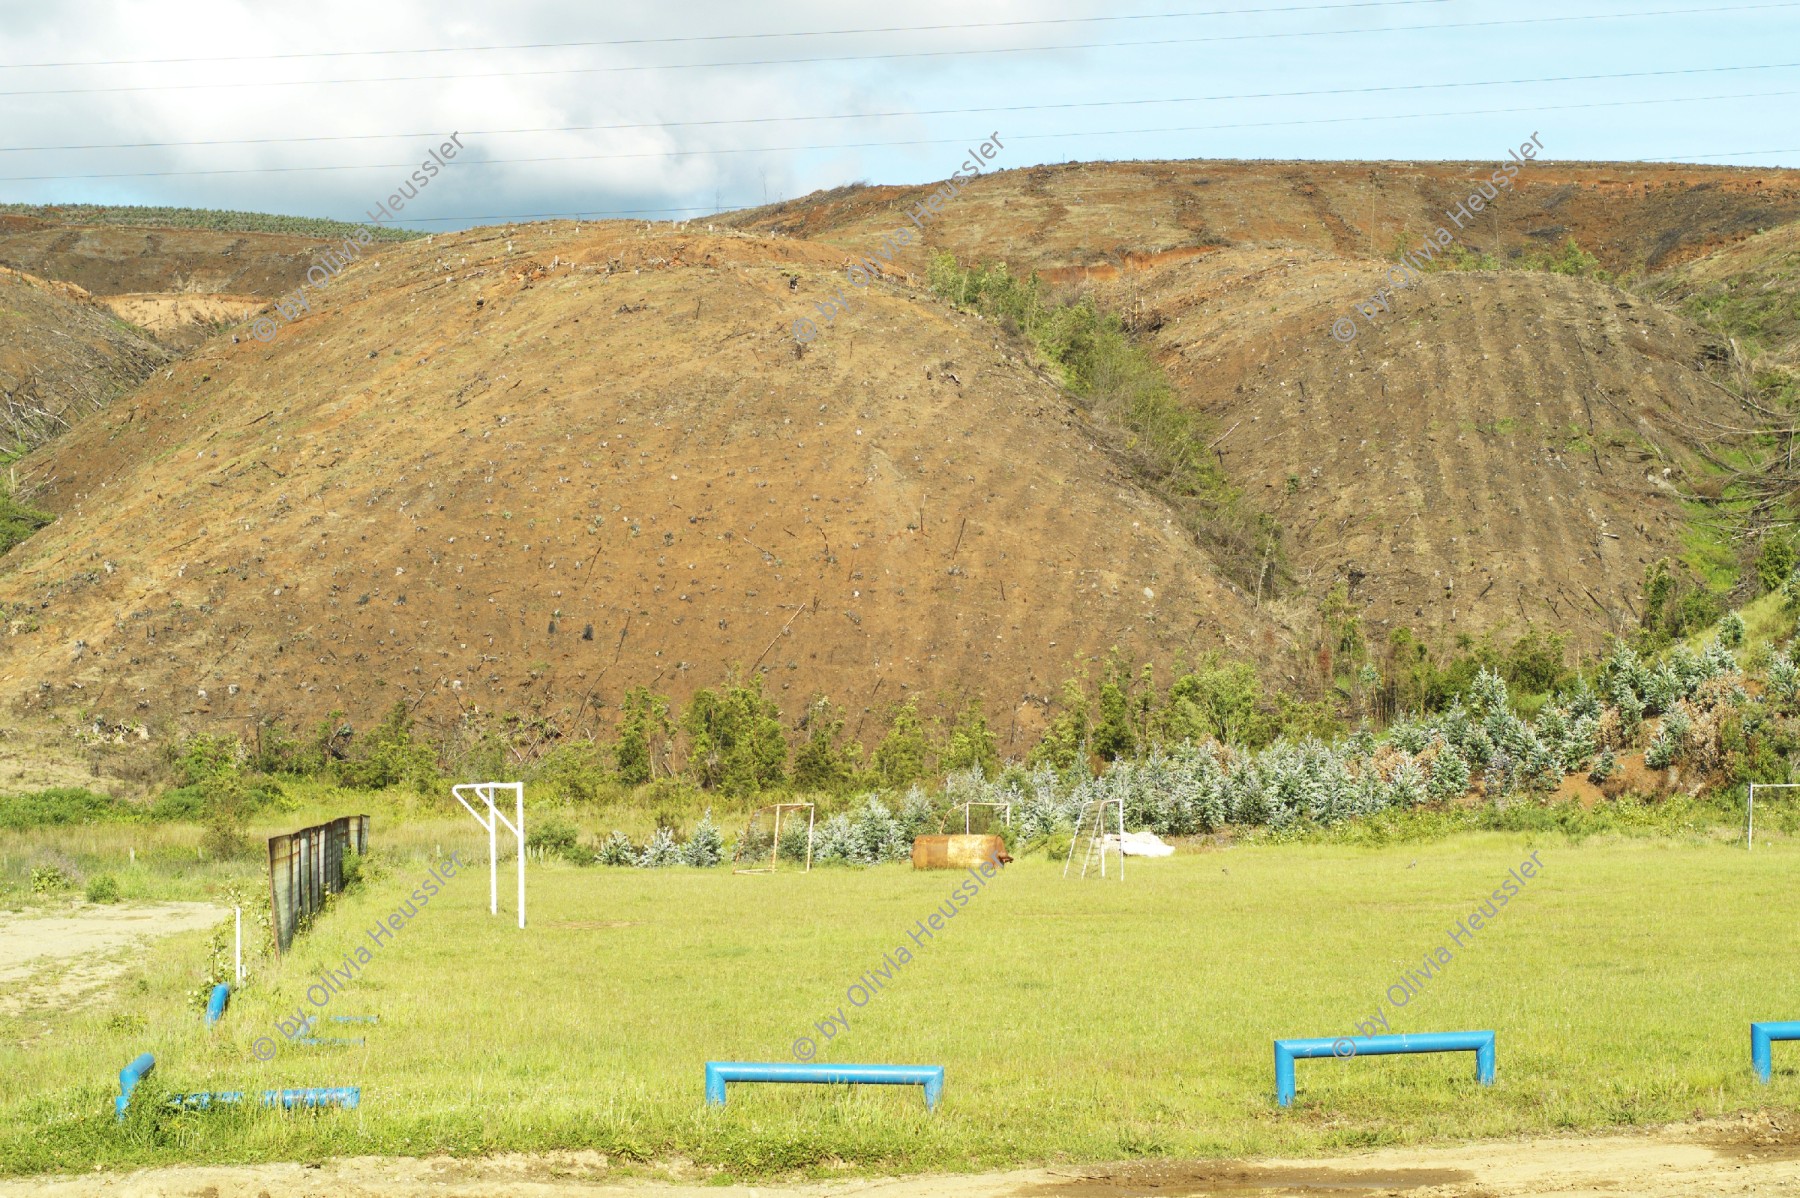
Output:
(519, 791)
(493, 860)
(238, 919)
(1750, 821)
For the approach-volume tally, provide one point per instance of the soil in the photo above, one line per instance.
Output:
(524, 472)
(60, 957)
(1105, 214)
(1751, 1155)
(62, 357)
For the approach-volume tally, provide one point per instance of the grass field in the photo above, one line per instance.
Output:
(1076, 1020)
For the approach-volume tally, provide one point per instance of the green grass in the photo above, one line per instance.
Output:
(1076, 1021)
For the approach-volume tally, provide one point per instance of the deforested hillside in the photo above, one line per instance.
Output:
(63, 356)
(526, 470)
(179, 283)
(1495, 450)
(1633, 217)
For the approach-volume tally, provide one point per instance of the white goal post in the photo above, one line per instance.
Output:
(1005, 811)
(1097, 834)
(485, 791)
(1750, 808)
(775, 836)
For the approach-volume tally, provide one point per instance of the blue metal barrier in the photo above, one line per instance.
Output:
(1344, 1047)
(129, 1077)
(1761, 1037)
(215, 1006)
(720, 1072)
(344, 1096)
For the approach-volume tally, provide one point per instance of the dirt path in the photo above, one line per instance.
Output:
(1744, 1156)
(81, 950)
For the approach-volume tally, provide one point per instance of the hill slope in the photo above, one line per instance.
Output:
(62, 356)
(527, 472)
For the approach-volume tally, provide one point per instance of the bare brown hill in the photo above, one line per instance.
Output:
(528, 469)
(1502, 449)
(1052, 218)
(1751, 288)
(62, 357)
(177, 283)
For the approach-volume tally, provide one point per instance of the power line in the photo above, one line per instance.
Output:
(719, 37)
(759, 120)
(1167, 41)
(935, 141)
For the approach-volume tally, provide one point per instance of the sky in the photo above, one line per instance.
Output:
(672, 111)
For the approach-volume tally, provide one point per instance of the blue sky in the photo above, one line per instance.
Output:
(1196, 85)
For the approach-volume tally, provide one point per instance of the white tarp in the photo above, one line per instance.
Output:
(1140, 844)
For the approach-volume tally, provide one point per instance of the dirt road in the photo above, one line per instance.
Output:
(1745, 1156)
(62, 956)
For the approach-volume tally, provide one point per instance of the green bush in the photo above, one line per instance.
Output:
(821, 763)
(556, 837)
(17, 521)
(181, 804)
(736, 743)
(62, 805)
(389, 756)
(644, 719)
(103, 889)
(903, 756)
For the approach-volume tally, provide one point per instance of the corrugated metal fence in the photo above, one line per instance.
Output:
(307, 865)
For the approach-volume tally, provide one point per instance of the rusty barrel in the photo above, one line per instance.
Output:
(955, 852)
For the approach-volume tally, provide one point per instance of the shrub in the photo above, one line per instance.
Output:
(183, 804)
(1731, 630)
(555, 837)
(47, 879)
(821, 763)
(661, 851)
(18, 521)
(971, 744)
(903, 755)
(1605, 766)
(616, 849)
(390, 755)
(705, 848)
(103, 889)
(643, 719)
(62, 805)
(736, 744)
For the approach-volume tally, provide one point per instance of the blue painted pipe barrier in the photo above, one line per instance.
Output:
(129, 1077)
(215, 1006)
(1761, 1037)
(1344, 1047)
(344, 1096)
(720, 1072)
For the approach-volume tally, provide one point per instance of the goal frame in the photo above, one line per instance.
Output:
(1098, 806)
(1750, 808)
(1005, 811)
(485, 792)
(775, 839)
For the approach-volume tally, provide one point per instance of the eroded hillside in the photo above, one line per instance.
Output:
(1106, 215)
(1503, 449)
(527, 470)
(62, 357)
